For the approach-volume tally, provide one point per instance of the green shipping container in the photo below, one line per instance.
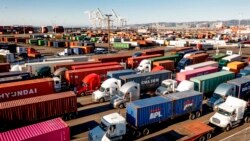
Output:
(206, 84)
(33, 41)
(218, 57)
(223, 63)
(41, 42)
(122, 45)
(174, 58)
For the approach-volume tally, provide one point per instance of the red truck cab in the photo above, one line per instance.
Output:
(90, 83)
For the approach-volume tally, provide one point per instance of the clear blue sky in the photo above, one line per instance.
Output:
(71, 12)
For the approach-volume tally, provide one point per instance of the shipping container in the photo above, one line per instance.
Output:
(148, 81)
(75, 77)
(154, 51)
(242, 87)
(30, 110)
(27, 88)
(133, 62)
(77, 67)
(206, 84)
(4, 67)
(121, 45)
(14, 73)
(68, 65)
(144, 112)
(75, 58)
(200, 65)
(50, 130)
(218, 57)
(167, 64)
(120, 58)
(34, 68)
(14, 78)
(236, 66)
(198, 58)
(186, 75)
(117, 74)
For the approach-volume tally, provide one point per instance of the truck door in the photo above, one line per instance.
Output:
(107, 94)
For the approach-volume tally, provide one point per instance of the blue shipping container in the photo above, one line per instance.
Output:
(185, 102)
(147, 111)
(242, 87)
(117, 74)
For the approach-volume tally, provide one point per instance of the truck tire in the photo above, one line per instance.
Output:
(227, 128)
(121, 106)
(145, 131)
(102, 100)
(197, 114)
(247, 119)
(202, 138)
(209, 136)
(136, 134)
(82, 94)
(192, 116)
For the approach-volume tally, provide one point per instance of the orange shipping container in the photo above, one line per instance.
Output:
(167, 64)
(198, 58)
(236, 66)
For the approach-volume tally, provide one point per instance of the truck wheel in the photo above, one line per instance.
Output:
(121, 106)
(202, 138)
(198, 114)
(82, 94)
(137, 134)
(146, 132)
(209, 136)
(227, 128)
(192, 116)
(247, 119)
(102, 100)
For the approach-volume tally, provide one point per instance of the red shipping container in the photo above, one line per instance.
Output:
(77, 67)
(154, 51)
(26, 89)
(133, 62)
(166, 64)
(75, 77)
(4, 67)
(68, 65)
(186, 75)
(198, 58)
(50, 130)
(24, 111)
(120, 58)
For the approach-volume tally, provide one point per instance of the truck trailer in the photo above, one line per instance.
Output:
(142, 115)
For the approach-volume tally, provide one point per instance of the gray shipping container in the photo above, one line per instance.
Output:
(149, 80)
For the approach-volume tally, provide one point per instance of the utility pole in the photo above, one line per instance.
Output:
(109, 46)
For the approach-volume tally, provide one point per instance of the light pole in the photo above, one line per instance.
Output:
(108, 16)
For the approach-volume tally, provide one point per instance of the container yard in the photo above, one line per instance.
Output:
(99, 72)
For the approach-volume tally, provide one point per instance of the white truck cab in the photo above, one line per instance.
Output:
(170, 86)
(112, 127)
(144, 66)
(230, 113)
(109, 88)
(57, 84)
(130, 91)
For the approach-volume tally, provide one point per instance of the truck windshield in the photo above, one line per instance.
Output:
(120, 94)
(103, 126)
(217, 96)
(224, 112)
(164, 85)
(102, 89)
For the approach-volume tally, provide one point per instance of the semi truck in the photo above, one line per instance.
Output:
(239, 87)
(170, 86)
(231, 113)
(43, 68)
(206, 84)
(142, 115)
(146, 65)
(74, 77)
(190, 60)
(134, 62)
(28, 88)
(147, 81)
(200, 65)
(129, 92)
(186, 75)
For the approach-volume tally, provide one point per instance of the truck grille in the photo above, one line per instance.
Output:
(215, 120)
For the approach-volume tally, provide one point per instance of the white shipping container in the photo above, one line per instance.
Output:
(233, 57)
(75, 58)
(200, 65)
